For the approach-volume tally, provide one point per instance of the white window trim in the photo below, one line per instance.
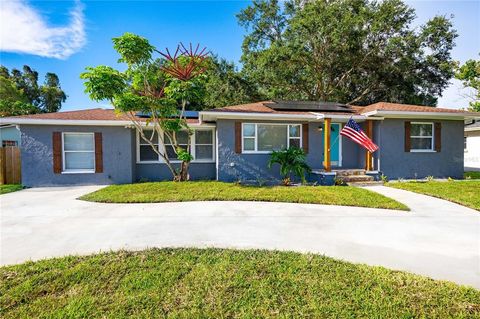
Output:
(421, 150)
(77, 171)
(192, 146)
(255, 138)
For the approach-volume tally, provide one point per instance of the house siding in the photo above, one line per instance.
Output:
(396, 163)
(253, 167)
(37, 156)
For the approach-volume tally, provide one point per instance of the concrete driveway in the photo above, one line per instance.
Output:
(437, 238)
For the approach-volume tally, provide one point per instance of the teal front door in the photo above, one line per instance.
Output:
(335, 144)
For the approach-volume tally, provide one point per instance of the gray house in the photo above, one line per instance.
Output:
(233, 143)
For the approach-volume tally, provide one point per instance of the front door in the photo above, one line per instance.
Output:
(335, 144)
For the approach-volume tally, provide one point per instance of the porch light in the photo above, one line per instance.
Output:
(320, 128)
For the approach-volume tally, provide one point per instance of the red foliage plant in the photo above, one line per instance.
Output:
(185, 71)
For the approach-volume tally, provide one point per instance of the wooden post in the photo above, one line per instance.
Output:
(326, 145)
(368, 155)
(2, 166)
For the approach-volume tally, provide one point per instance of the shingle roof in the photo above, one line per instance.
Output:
(385, 106)
(85, 115)
(262, 107)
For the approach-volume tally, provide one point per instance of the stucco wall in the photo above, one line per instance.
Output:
(253, 167)
(396, 163)
(160, 172)
(37, 156)
(472, 153)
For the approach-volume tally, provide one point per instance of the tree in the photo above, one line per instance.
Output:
(161, 88)
(291, 160)
(224, 85)
(20, 92)
(350, 51)
(469, 74)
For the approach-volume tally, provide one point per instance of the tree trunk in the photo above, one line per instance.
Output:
(182, 175)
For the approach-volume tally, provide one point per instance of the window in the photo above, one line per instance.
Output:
(421, 137)
(146, 152)
(465, 143)
(201, 145)
(182, 140)
(78, 152)
(9, 143)
(265, 138)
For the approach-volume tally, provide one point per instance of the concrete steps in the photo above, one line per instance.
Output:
(356, 177)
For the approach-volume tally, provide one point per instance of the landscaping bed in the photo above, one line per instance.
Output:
(217, 191)
(215, 283)
(465, 193)
(472, 175)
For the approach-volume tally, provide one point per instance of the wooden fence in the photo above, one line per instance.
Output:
(10, 168)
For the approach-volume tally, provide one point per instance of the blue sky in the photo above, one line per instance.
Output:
(66, 36)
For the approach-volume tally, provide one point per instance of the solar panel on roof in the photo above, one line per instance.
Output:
(313, 106)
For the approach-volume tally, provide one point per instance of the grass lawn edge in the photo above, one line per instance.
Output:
(168, 192)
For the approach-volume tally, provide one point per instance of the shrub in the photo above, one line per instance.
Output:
(291, 161)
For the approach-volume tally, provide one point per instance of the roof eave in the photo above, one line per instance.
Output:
(419, 115)
(29, 121)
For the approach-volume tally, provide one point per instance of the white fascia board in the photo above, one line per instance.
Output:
(343, 117)
(212, 116)
(419, 115)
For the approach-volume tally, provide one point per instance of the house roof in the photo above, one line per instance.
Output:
(80, 116)
(264, 109)
(385, 106)
(380, 109)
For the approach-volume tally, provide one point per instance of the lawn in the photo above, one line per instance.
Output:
(215, 283)
(218, 191)
(466, 193)
(8, 188)
(471, 175)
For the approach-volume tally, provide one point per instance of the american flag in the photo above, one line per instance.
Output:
(353, 131)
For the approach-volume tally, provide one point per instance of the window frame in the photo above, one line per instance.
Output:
(255, 137)
(192, 147)
(77, 171)
(432, 137)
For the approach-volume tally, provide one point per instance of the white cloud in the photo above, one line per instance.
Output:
(24, 30)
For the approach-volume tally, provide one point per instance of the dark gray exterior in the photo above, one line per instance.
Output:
(396, 163)
(120, 162)
(37, 156)
(160, 172)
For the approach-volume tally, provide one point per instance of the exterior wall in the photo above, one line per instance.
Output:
(472, 152)
(253, 167)
(37, 156)
(396, 163)
(160, 172)
(10, 134)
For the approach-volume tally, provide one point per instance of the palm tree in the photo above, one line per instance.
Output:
(291, 160)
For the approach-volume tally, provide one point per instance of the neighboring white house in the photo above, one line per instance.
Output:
(472, 146)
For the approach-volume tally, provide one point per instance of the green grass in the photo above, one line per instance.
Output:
(465, 193)
(214, 283)
(471, 175)
(8, 188)
(218, 191)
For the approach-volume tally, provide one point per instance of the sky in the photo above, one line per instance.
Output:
(64, 37)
